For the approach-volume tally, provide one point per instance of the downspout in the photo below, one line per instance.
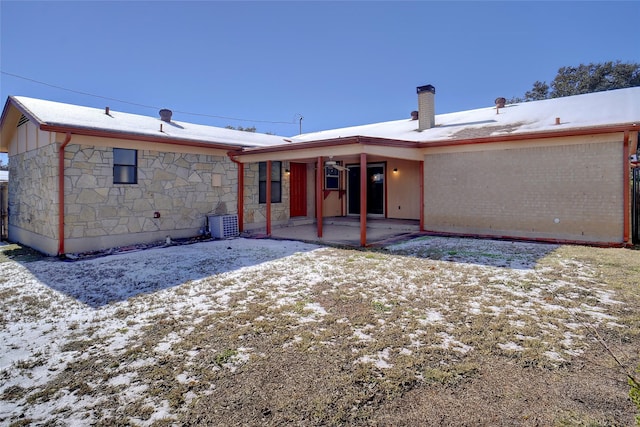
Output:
(626, 190)
(66, 141)
(240, 200)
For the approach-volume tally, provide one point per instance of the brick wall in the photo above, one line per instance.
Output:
(571, 192)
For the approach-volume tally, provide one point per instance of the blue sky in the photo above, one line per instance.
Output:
(334, 63)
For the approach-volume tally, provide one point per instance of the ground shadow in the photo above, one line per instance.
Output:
(103, 280)
(489, 252)
(518, 255)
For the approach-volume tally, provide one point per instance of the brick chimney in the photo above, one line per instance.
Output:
(426, 107)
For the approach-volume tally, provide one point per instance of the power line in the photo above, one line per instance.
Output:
(293, 122)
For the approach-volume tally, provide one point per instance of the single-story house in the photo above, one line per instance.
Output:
(561, 170)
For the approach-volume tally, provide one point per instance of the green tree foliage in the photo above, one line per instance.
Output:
(251, 129)
(585, 79)
(539, 91)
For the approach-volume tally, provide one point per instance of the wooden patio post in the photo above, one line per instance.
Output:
(268, 214)
(241, 197)
(319, 196)
(421, 195)
(363, 199)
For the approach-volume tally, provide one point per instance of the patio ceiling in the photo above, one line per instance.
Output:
(342, 147)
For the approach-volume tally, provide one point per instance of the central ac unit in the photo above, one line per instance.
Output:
(222, 226)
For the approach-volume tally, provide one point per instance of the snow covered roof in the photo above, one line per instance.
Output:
(613, 107)
(68, 115)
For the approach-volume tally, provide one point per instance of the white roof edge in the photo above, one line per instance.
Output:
(57, 114)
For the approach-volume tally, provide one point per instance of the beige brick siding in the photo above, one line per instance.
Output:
(571, 192)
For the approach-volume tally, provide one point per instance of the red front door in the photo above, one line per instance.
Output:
(298, 189)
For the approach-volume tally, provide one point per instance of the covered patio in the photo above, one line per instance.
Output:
(330, 183)
(344, 231)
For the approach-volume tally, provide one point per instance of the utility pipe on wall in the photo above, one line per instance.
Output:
(66, 141)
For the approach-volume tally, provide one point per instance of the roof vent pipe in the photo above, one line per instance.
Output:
(426, 107)
(165, 115)
(500, 102)
(414, 115)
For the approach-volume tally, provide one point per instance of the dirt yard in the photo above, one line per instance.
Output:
(434, 331)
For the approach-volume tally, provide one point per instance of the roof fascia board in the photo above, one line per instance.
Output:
(354, 147)
(135, 137)
(8, 129)
(394, 152)
(325, 143)
(24, 110)
(533, 135)
(311, 153)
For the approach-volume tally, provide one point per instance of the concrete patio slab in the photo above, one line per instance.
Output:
(344, 231)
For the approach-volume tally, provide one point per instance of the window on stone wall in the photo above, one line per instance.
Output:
(125, 166)
(276, 182)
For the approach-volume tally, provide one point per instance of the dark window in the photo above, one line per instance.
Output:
(125, 166)
(276, 182)
(331, 178)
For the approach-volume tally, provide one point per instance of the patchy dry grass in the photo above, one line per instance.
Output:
(432, 332)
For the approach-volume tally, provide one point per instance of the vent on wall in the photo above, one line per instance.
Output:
(222, 226)
(23, 120)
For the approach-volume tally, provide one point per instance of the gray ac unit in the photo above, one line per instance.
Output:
(222, 226)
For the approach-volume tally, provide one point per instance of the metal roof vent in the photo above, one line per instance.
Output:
(23, 120)
(414, 115)
(500, 102)
(165, 115)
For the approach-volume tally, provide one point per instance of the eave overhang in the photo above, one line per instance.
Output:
(13, 103)
(332, 147)
(131, 136)
(583, 131)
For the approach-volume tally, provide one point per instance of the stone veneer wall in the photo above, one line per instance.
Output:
(182, 188)
(255, 213)
(33, 192)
